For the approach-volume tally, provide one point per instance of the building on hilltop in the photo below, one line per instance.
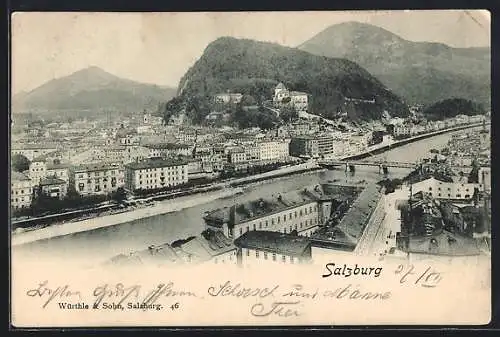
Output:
(296, 99)
(227, 98)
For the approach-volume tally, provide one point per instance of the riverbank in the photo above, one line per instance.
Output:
(399, 143)
(171, 205)
(161, 207)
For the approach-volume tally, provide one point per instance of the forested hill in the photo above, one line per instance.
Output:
(449, 108)
(254, 68)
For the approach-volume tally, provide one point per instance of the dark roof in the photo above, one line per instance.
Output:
(167, 146)
(96, 167)
(258, 208)
(51, 181)
(352, 225)
(155, 163)
(444, 243)
(274, 242)
(54, 166)
(208, 245)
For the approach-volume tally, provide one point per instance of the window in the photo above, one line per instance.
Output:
(296, 214)
(265, 255)
(291, 259)
(248, 228)
(266, 223)
(301, 225)
(284, 218)
(257, 254)
(295, 226)
(274, 256)
(283, 258)
(310, 209)
(278, 219)
(248, 251)
(254, 227)
(430, 188)
(260, 225)
(290, 216)
(300, 213)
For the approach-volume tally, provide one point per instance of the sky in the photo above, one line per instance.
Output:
(160, 47)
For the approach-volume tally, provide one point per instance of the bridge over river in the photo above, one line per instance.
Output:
(383, 165)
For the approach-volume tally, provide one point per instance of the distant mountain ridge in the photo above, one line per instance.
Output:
(421, 72)
(92, 89)
(253, 67)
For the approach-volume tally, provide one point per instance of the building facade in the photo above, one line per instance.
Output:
(96, 179)
(266, 248)
(153, 174)
(53, 187)
(21, 191)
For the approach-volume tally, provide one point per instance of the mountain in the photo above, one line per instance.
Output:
(92, 89)
(421, 72)
(255, 68)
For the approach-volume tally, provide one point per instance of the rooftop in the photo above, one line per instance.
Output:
(444, 243)
(51, 181)
(352, 225)
(95, 167)
(55, 166)
(274, 242)
(208, 245)
(155, 163)
(166, 146)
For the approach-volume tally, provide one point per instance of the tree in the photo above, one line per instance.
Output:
(288, 113)
(119, 195)
(20, 163)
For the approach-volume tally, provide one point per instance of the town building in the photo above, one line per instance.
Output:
(21, 191)
(261, 248)
(31, 151)
(295, 211)
(95, 179)
(209, 247)
(311, 146)
(58, 170)
(296, 99)
(155, 173)
(53, 187)
(446, 190)
(273, 150)
(168, 150)
(349, 235)
(226, 98)
(484, 175)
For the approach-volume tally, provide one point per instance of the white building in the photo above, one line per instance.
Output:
(21, 191)
(95, 179)
(485, 178)
(291, 212)
(296, 99)
(153, 174)
(444, 190)
(273, 150)
(261, 248)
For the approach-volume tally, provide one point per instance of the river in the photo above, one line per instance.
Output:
(98, 245)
